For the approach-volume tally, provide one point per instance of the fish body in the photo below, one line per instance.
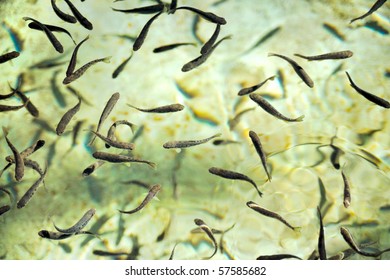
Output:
(114, 158)
(152, 9)
(248, 90)
(205, 15)
(80, 224)
(113, 143)
(112, 129)
(375, 7)
(90, 169)
(277, 257)
(120, 68)
(52, 28)
(208, 45)
(19, 164)
(4, 209)
(152, 193)
(188, 143)
(347, 191)
(259, 149)
(144, 32)
(64, 16)
(80, 18)
(321, 238)
(66, 118)
(200, 223)
(171, 47)
(72, 62)
(8, 56)
(79, 72)
(28, 104)
(163, 109)
(332, 55)
(6, 108)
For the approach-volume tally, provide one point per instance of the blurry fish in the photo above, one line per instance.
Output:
(277, 257)
(335, 156)
(234, 121)
(377, 27)
(373, 98)
(188, 143)
(19, 164)
(321, 238)
(163, 109)
(8, 56)
(206, 15)
(76, 131)
(83, 21)
(269, 214)
(113, 143)
(9, 95)
(79, 72)
(209, 44)
(334, 31)
(61, 14)
(80, 224)
(66, 118)
(152, 193)
(76, 93)
(227, 174)
(265, 38)
(58, 235)
(58, 94)
(137, 183)
(173, 252)
(29, 105)
(171, 47)
(112, 129)
(347, 191)
(49, 62)
(52, 28)
(73, 60)
(108, 254)
(209, 233)
(121, 66)
(176, 166)
(248, 90)
(16, 40)
(195, 28)
(221, 142)
(375, 7)
(90, 169)
(271, 110)
(144, 32)
(152, 9)
(333, 55)
(259, 149)
(115, 158)
(172, 7)
(4, 209)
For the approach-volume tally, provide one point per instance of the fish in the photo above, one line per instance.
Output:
(90, 169)
(336, 257)
(176, 166)
(171, 47)
(77, 227)
(321, 237)
(200, 223)
(30, 192)
(108, 254)
(277, 257)
(80, 18)
(8, 56)
(29, 105)
(265, 38)
(79, 72)
(221, 142)
(332, 55)
(373, 98)
(297, 68)
(9, 95)
(172, 7)
(76, 93)
(15, 37)
(29, 151)
(248, 90)
(188, 143)
(163, 109)
(52, 28)
(4, 209)
(144, 32)
(76, 131)
(335, 156)
(67, 117)
(205, 15)
(114, 158)
(234, 121)
(271, 110)
(347, 191)
(113, 143)
(334, 31)
(6, 108)
(106, 111)
(49, 63)
(209, 44)
(58, 235)
(152, 9)
(73, 60)
(61, 14)
(227, 174)
(121, 66)
(33, 165)
(19, 164)
(53, 40)
(112, 129)
(138, 183)
(152, 193)
(375, 7)
(172, 252)
(269, 214)
(201, 59)
(259, 149)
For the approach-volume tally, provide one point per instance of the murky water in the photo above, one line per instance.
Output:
(336, 118)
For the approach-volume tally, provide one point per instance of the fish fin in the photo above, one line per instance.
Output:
(152, 165)
(5, 130)
(300, 118)
(297, 229)
(271, 54)
(299, 55)
(107, 59)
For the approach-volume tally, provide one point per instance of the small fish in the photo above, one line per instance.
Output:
(277, 257)
(30, 192)
(9, 95)
(79, 72)
(321, 238)
(33, 165)
(77, 227)
(58, 235)
(66, 118)
(29, 105)
(76, 93)
(171, 47)
(83, 21)
(152, 193)
(373, 98)
(6, 108)
(16, 40)
(113, 143)
(271, 110)
(221, 142)
(375, 7)
(205, 15)
(152, 9)
(90, 169)
(49, 63)
(248, 90)
(163, 109)
(52, 28)
(227, 174)
(76, 131)
(259, 149)
(114, 158)
(108, 254)
(209, 44)
(8, 56)
(19, 164)
(334, 31)
(173, 252)
(4, 209)
(337, 257)
(176, 166)
(347, 191)
(268, 213)
(265, 38)
(120, 68)
(106, 111)
(335, 156)
(188, 143)
(61, 14)
(138, 183)
(332, 55)
(29, 151)
(112, 129)
(234, 121)
(200, 223)
(298, 69)
(53, 40)
(144, 32)
(72, 62)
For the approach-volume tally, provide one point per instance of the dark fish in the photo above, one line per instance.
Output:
(333, 55)
(33, 165)
(6, 108)
(73, 60)
(152, 193)
(138, 183)
(113, 143)
(375, 7)
(221, 142)
(4, 209)
(187, 143)
(80, 224)
(90, 169)
(29, 105)
(375, 26)
(83, 21)
(209, 233)
(172, 7)
(277, 257)
(8, 56)
(271, 110)
(209, 44)
(108, 254)
(335, 156)
(58, 235)
(373, 98)
(206, 15)
(114, 158)
(19, 164)
(32, 149)
(163, 109)
(259, 149)
(120, 68)
(227, 174)
(79, 72)
(61, 14)
(66, 118)
(347, 191)
(76, 131)
(112, 129)
(152, 9)
(297, 68)
(248, 90)
(173, 252)
(53, 40)
(321, 238)
(265, 38)
(268, 213)
(58, 94)
(171, 46)
(144, 32)
(9, 95)
(52, 28)
(49, 63)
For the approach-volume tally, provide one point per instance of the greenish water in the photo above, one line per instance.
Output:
(298, 153)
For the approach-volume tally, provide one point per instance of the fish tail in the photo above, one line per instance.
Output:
(297, 229)
(5, 130)
(299, 55)
(300, 118)
(271, 54)
(152, 165)
(107, 59)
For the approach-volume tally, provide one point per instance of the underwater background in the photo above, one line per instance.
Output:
(336, 119)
